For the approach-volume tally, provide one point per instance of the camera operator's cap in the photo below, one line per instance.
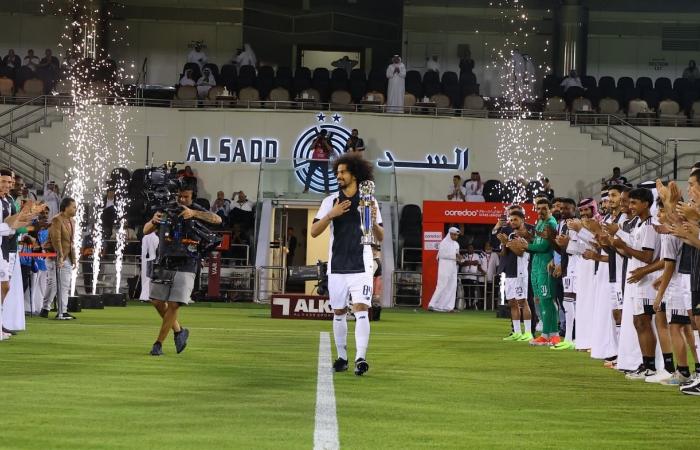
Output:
(453, 230)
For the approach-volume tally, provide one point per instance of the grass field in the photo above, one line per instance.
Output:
(247, 382)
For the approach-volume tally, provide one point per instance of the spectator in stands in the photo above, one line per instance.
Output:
(246, 57)
(188, 79)
(240, 201)
(457, 192)
(49, 61)
(70, 60)
(319, 160)
(12, 60)
(691, 72)
(547, 190)
(197, 56)
(52, 198)
(432, 64)
(221, 206)
(474, 188)
(396, 74)
(616, 178)
(571, 81)
(344, 63)
(205, 82)
(31, 60)
(291, 246)
(187, 175)
(355, 143)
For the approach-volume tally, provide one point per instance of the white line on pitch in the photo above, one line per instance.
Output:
(326, 428)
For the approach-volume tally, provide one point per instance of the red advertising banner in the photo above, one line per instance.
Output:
(293, 306)
(437, 214)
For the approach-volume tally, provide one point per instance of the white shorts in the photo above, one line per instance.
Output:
(516, 288)
(4, 270)
(677, 298)
(638, 305)
(569, 288)
(616, 297)
(355, 287)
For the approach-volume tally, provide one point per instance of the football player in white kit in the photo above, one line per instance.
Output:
(515, 264)
(350, 263)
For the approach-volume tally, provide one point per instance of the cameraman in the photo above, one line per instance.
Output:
(167, 297)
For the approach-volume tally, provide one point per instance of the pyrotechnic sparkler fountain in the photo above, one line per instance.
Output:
(93, 77)
(522, 147)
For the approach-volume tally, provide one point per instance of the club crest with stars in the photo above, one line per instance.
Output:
(303, 149)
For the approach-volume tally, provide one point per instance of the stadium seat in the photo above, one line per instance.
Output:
(31, 88)
(214, 92)
(302, 80)
(588, 82)
(279, 94)
(607, 86)
(609, 105)
(644, 84)
(670, 113)
(549, 84)
(246, 76)
(248, 94)
(321, 81)
(409, 100)
(681, 85)
(694, 112)
(185, 97)
(474, 103)
(414, 84)
(265, 81)
(377, 80)
(581, 104)
(229, 77)
(339, 80)
(555, 105)
(441, 101)
(7, 87)
(625, 83)
(341, 100)
(572, 93)
(637, 106)
(651, 96)
(284, 78)
(662, 83)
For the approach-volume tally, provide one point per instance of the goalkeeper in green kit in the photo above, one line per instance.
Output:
(543, 286)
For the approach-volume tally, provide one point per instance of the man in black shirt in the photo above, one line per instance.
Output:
(176, 288)
(350, 264)
(355, 143)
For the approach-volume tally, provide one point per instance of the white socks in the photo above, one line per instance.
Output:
(340, 331)
(516, 326)
(361, 333)
(528, 325)
(570, 314)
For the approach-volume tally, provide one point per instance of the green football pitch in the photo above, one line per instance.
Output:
(246, 381)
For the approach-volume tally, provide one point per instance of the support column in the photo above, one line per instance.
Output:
(571, 38)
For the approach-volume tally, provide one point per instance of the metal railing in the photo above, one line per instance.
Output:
(412, 250)
(648, 151)
(18, 121)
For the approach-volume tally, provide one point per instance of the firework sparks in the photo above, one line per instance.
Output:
(522, 147)
(93, 75)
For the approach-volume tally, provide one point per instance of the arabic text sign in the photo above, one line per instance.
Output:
(432, 162)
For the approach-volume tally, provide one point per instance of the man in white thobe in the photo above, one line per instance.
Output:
(149, 247)
(396, 74)
(448, 256)
(197, 56)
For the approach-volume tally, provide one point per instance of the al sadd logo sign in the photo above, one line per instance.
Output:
(228, 150)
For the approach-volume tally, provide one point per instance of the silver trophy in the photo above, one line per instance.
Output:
(365, 208)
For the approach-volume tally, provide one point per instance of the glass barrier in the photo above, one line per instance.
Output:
(307, 179)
